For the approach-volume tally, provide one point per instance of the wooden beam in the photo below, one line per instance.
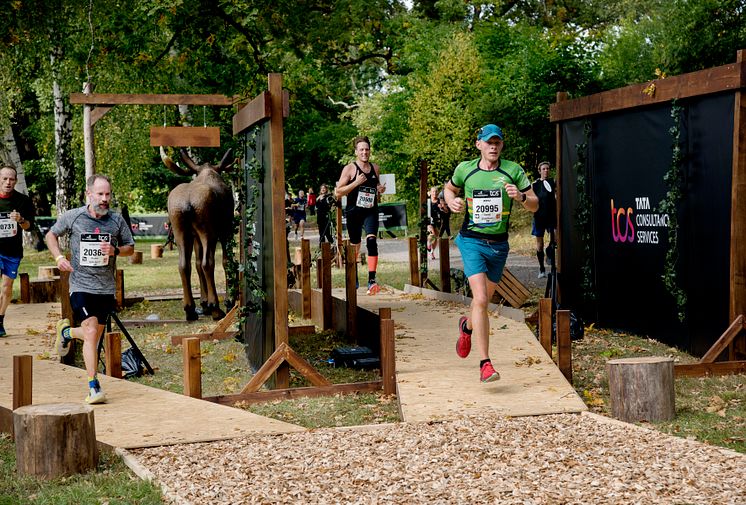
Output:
(305, 276)
(291, 394)
(305, 368)
(730, 77)
(564, 347)
(23, 366)
(268, 368)
(227, 321)
(388, 357)
(414, 264)
(351, 293)
(185, 136)
(99, 112)
(725, 339)
(545, 325)
(113, 354)
(562, 96)
(150, 99)
(703, 369)
(252, 113)
(326, 286)
(306, 329)
(738, 207)
(202, 337)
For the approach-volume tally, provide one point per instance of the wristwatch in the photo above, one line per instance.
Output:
(116, 251)
(523, 197)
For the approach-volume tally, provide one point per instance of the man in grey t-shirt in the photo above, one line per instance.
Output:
(97, 237)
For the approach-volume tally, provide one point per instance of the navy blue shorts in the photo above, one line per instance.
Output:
(539, 229)
(9, 266)
(87, 305)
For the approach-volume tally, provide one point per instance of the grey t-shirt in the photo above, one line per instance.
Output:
(96, 274)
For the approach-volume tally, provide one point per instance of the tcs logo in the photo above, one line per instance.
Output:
(622, 226)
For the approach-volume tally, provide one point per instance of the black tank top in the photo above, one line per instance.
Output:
(355, 199)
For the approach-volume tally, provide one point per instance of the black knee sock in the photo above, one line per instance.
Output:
(481, 363)
(2, 318)
(371, 276)
(540, 255)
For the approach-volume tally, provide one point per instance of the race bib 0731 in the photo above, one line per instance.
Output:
(91, 249)
(8, 227)
(487, 206)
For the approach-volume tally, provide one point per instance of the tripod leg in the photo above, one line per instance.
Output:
(135, 349)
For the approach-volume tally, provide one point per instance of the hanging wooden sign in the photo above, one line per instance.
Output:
(185, 136)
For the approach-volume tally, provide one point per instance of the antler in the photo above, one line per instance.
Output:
(224, 165)
(172, 165)
(189, 161)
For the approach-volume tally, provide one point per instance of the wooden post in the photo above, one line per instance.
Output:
(445, 265)
(545, 324)
(641, 389)
(89, 139)
(55, 439)
(319, 273)
(156, 251)
(305, 276)
(113, 354)
(561, 97)
(136, 258)
(338, 238)
(384, 313)
(66, 310)
(326, 286)
(564, 349)
(23, 367)
(738, 215)
(25, 288)
(388, 357)
(414, 266)
(351, 289)
(120, 289)
(192, 367)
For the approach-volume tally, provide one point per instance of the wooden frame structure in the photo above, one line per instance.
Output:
(726, 78)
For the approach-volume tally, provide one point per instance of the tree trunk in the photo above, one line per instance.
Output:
(641, 389)
(11, 155)
(55, 439)
(63, 142)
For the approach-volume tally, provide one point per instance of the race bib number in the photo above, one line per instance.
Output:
(91, 249)
(366, 197)
(8, 227)
(488, 206)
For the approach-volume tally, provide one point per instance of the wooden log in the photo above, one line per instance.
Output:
(25, 288)
(23, 366)
(42, 290)
(641, 389)
(136, 258)
(47, 272)
(156, 251)
(55, 439)
(113, 354)
(192, 368)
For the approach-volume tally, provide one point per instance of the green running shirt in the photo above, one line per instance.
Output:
(488, 205)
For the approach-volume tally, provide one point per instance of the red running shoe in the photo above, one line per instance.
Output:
(488, 373)
(463, 344)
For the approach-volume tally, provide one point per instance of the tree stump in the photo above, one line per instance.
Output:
(136, 258)
(43, 290)
(55, 439)
(46, 272)
(641, 389)
(156, 251)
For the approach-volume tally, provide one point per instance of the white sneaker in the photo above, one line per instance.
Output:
(96, 395)
(542, 275)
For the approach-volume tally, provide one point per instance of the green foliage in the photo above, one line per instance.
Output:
(674, 179)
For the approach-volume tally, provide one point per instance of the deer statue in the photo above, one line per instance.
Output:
(201, 215)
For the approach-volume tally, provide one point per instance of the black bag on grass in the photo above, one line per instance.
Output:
(131, 364)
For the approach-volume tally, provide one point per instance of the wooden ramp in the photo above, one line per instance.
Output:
(135, 415)
(434, 383)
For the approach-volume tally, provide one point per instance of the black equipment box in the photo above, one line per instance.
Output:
(355, 357)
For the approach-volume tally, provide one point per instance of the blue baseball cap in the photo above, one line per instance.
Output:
(488, 131)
